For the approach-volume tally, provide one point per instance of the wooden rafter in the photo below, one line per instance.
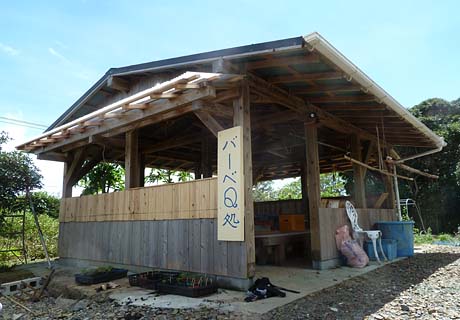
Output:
(305, 77)
(302, 108)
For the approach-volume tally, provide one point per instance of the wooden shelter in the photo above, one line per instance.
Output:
(304, 109)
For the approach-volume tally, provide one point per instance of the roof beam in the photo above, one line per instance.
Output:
(306, 77)
(297, 104)
(336, 99)
(118, 84)
(206, 118)
(326, 88)
(136, 117)
(280, 62)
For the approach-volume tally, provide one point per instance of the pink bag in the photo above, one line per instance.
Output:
(356, 257)
(342, 234)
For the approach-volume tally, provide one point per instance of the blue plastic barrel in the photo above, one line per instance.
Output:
(402, 232)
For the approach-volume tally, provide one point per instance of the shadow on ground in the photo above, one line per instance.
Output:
(364, 295)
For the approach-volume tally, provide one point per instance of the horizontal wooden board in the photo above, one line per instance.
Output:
(195, 199)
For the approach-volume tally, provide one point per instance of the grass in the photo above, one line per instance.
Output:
(429, 238)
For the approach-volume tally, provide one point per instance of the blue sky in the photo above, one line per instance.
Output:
(51, 53)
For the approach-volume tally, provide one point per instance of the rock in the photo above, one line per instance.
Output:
(64, 303)
(80, 305)
(405, 308)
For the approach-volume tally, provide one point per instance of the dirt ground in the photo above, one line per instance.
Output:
(426, 286)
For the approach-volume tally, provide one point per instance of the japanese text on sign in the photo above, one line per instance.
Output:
(230, 213)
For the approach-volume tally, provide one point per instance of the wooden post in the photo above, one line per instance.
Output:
(313, 190)
(242, 117)
(358, 173)
(197, 172)
(303, 183)
(141, 170)
(66, 185)
(132, 160)
(206, 165)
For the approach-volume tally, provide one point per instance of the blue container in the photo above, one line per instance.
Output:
(389, 248)
(402, 232)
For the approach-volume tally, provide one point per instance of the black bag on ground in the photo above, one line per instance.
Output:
(262, 289)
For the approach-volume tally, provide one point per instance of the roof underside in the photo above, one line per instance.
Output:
(278, 145)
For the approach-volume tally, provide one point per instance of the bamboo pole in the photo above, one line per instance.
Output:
(376, 169)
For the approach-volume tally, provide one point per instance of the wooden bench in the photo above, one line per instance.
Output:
(277, 242)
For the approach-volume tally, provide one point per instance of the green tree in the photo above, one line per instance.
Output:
(292, 190)
(167, 176)
(18, 174)
(103, 178)
(44, 203)
(332, 185)
(264, 191)
(439, 199)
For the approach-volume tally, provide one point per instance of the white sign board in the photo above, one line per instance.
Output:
(230, 185)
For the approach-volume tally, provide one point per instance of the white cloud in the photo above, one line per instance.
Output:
(8, 50)
(58, 55)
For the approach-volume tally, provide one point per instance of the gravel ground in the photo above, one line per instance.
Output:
(426, 286)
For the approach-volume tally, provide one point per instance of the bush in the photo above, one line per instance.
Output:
(50, 229)
(44, 203)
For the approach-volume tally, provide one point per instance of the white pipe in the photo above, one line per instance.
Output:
(419, 155)
(395, 177)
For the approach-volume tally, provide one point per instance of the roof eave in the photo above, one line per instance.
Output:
(317, 42)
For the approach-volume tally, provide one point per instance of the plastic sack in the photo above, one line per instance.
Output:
(342, 234)
(356, 257)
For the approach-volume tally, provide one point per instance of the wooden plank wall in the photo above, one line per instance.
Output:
(186, 245)
(332, 218)
(186, 200)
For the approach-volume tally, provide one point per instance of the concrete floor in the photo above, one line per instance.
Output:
(306, 281)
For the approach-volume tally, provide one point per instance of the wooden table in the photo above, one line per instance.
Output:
(278, 242)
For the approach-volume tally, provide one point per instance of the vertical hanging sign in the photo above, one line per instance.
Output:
(230, 186)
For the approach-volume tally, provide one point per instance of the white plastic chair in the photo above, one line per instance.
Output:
(374, 235)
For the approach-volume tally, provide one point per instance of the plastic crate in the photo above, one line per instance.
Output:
(101, 276)
(292, 222)
(389, 248)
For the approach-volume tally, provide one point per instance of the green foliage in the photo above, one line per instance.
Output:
(332, 185)
(103, 178)
(44, 203)
(423, 238)
(18, 174)
(439, 200)
(50, 228)
(167, 176)
(264, 191)
(292, 190)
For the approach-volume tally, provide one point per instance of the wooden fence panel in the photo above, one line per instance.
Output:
(184, 244)
(187, 200)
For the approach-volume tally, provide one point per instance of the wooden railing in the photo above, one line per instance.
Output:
(186, 200)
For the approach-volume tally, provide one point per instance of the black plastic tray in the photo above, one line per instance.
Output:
(101, 277)
(186, 291)
(149, 280)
